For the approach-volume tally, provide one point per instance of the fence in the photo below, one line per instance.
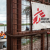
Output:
(20, 37)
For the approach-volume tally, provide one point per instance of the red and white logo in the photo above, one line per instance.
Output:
(48, 32)
(37, 19)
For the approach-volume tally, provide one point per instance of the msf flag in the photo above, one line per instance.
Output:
(40, 15)
(35, 20)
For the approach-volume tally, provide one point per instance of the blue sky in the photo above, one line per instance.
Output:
(3, 11)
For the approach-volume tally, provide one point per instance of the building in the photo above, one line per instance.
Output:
(1, 24)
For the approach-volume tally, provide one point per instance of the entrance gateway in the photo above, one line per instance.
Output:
(14, 33)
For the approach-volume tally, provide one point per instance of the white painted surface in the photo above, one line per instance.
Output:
(46, 10)
(3, 40)
(1, 49)
(4, 49)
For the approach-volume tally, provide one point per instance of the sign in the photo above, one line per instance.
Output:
(40, 15)
(48, 32)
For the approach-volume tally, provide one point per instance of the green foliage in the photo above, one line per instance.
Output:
(48, 34)
(4, 25)
(23, 43)
(26, 24)
(27, 42)
(21, 24)
(27, 10)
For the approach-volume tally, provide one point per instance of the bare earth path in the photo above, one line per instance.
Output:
(37, 45)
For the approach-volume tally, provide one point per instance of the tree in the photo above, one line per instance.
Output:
(27, 12)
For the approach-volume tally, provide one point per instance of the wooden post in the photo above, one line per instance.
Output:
(47, 0)
(47, 41)
(19, 24)
(30, 16)
(42, 41)
(8, 24)
(31, 38)
(13, 24)
(31, 42)
(43, 1)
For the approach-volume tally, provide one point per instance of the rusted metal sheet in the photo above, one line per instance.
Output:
(31, 42)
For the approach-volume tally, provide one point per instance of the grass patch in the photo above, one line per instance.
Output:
(21, 24)
(28, 42)
(48, 34)
(4, 25)
(25, 24)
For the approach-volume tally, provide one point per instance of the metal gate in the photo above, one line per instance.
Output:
(27, 39)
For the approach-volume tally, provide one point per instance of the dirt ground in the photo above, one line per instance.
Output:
(37, 45)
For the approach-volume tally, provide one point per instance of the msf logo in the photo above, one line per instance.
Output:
(37, 19)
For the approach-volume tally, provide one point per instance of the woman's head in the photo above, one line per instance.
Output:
(1, 31)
